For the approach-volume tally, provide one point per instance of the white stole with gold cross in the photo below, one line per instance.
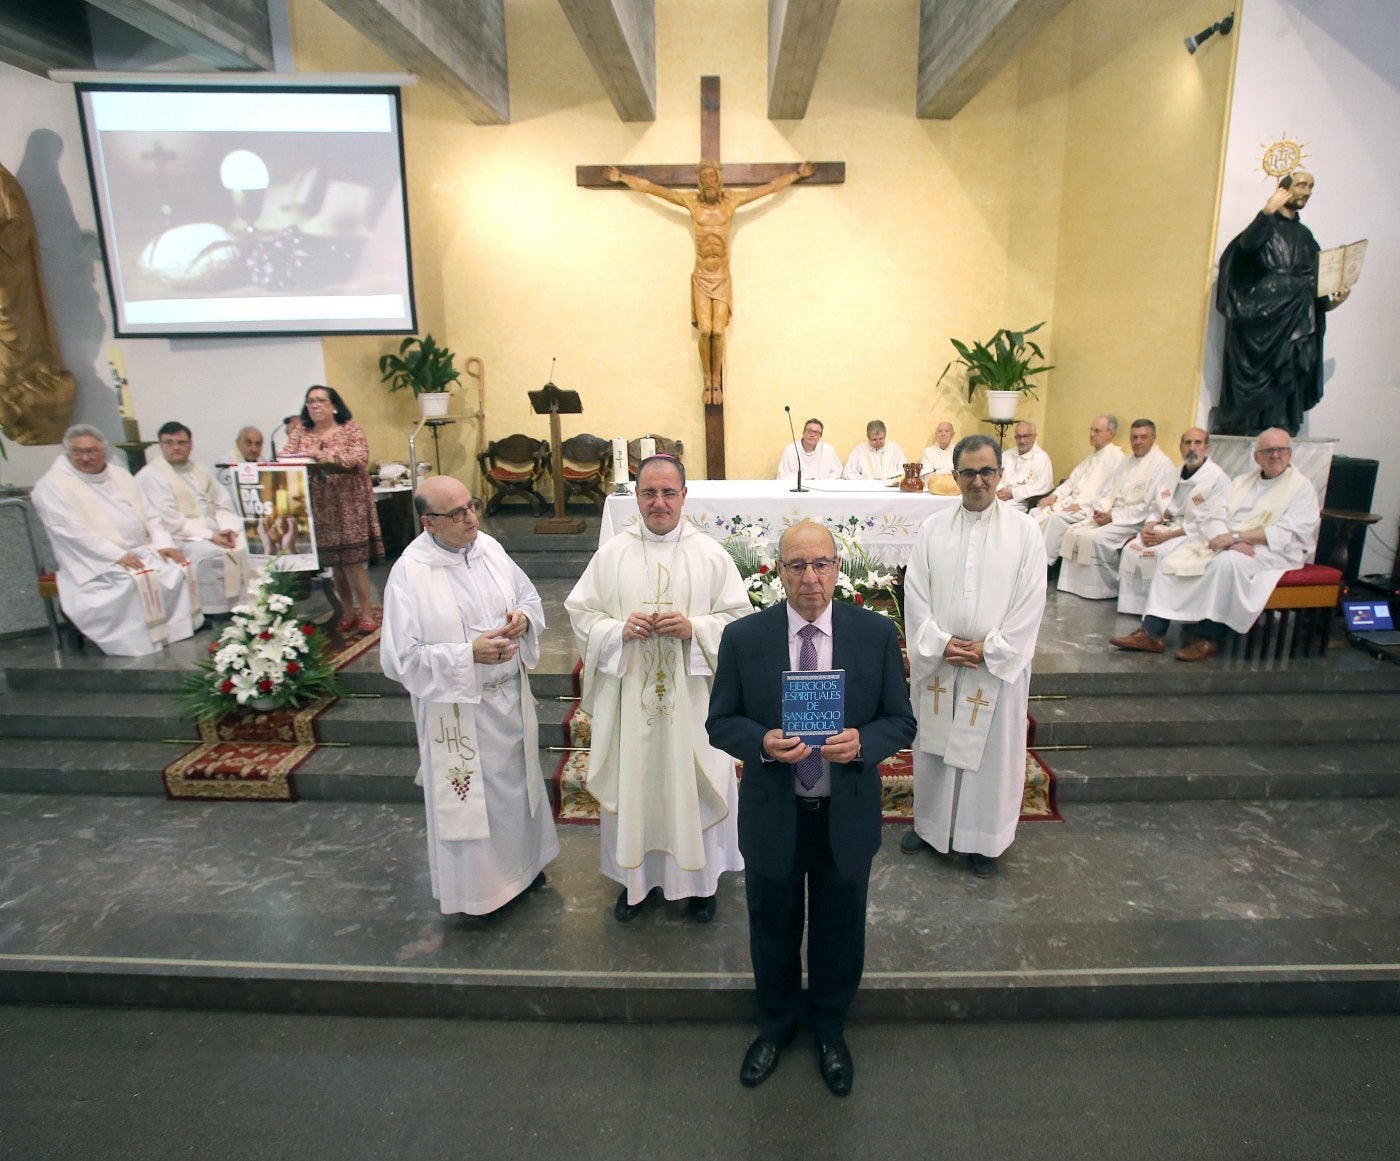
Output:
(454, 772)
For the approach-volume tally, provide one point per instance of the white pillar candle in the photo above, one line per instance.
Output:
(648, 448)
(619, 459)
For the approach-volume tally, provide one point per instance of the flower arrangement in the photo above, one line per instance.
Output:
(264, 659)
(859, 581)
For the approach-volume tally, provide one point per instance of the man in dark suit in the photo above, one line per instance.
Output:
(809, 820)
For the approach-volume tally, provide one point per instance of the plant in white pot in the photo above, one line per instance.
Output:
(426, 369)
(1002, 366)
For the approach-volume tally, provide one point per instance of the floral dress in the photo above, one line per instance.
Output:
(342, 502)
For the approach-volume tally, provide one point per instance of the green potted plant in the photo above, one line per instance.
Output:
(1002, 367)
(425, 368)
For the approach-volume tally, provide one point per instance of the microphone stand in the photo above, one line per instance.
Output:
(797, 451)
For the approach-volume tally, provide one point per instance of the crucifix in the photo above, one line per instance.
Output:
(977, 702)
(712, 211)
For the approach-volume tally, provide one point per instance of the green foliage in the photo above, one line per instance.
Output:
(420, 365)
(1002, 363)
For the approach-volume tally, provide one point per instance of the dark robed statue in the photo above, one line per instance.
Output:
(1274, 320)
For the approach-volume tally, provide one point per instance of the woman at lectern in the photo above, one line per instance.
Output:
(342, 500)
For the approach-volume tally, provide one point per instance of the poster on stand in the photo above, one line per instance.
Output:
(275, 503)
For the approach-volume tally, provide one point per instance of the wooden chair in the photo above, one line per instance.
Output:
(585, 462)
(48, 590)
(1297, 616)
(514, 466)
(664, 446)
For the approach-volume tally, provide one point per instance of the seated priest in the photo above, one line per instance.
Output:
(1027, 471)
(1222, 578)
(1071, 501)
(818, 460)
(121, 580)
(1192, 505)
(1089, 550)
(936, 466)
(197, 513)
(247, 448)
(878, 458)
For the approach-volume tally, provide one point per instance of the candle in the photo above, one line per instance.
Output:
(648, 447)
(619, 445)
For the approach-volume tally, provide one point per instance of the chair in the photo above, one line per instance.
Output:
(664, 446)
(1297, 615)
(585, 460)
(514, 466)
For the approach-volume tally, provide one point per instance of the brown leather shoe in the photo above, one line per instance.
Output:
(1198, 650)
(1139, 641)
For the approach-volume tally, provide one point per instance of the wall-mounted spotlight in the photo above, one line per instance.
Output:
(1221, 26)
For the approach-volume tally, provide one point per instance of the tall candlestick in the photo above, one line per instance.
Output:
(619, 445)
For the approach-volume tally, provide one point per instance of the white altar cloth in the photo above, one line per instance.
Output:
(882, 520)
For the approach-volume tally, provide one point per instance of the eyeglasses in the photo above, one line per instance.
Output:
(659, 494)
(458, 515)
(987, 475)
(799, 568)
(1275, 451)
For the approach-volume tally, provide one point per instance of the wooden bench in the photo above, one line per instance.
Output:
(1297, 616)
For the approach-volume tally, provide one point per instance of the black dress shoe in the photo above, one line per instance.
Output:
(912, 844)
(537, 882)
(759, 1062)
(625, 912)
(982, 865)
(702, 908)
(837, 1068)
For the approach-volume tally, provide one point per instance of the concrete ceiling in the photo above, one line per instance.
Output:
(460, 45)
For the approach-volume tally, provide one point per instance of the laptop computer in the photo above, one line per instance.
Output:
(1370, 623)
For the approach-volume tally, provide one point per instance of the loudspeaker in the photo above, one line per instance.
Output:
(1351, 486)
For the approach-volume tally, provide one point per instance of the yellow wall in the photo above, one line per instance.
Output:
(1013, 212)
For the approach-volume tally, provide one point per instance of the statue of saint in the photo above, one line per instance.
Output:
(1274, 319)
(36, 393)
(711, 209)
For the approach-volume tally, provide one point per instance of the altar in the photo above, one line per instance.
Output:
(881, 519)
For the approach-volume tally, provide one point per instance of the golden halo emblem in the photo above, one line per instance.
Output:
(1282, 156)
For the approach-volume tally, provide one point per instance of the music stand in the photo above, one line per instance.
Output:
(554, 402)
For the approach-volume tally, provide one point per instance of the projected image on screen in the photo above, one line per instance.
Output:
(244, 211)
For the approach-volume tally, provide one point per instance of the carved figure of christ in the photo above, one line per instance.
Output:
(711, 208)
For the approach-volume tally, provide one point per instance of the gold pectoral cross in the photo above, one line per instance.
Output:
(937, 688)
(976, 701)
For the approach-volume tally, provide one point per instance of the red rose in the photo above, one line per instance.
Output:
(860, 600)
(214, 648)
(265, 685)
(226, 687)
(762, 570)
(308, 629)
(264, 636)
(293, 668)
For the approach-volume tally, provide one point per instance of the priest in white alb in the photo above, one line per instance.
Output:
(936, 464)
(974, 595)
(878, 458)
(1194, 504)
(121, 580)
(247, 449)
(648, 614)
(195, 509)
(1224, 581)
(461, 629)
(817, 458)
(1089, 550)
(1070, 502)
(1026, 472)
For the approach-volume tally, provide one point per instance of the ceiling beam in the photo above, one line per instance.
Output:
(963, 44)
(227, 34)
(797, 34)
(38, 35)
(619, 39)
(458, 45)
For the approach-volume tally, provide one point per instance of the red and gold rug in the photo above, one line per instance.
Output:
(251, 758)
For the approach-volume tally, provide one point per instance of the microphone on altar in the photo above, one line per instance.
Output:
(796, 450)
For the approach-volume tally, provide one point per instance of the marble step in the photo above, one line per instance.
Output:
(1146, 909)
(1151, 676)
(1176, 773)
(1220, 720)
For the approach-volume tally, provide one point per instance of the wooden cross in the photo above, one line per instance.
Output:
(679, 176)
(937, 688)
(976, 701)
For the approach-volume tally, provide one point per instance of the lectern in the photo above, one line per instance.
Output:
(554, 402)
